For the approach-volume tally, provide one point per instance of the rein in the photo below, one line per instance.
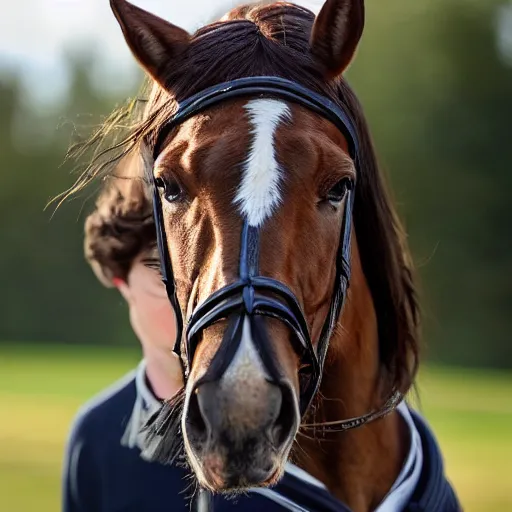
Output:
(254, 296)
(342, 425)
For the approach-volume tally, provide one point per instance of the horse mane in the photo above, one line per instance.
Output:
(269, 38)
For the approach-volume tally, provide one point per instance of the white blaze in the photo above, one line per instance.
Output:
(259, 193)
(247, 364)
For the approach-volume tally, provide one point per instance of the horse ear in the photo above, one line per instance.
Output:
(154, 42)
(336, 34)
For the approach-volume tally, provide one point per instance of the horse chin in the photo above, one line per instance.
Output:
(228, 469)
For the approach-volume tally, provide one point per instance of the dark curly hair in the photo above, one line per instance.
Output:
(121, 228)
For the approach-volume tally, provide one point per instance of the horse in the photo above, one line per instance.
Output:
(281, 251)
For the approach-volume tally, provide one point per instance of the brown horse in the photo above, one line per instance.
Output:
(285, 171)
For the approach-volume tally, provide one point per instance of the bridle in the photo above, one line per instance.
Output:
(253, 296)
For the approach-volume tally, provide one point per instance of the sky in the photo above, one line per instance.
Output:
(35, 35)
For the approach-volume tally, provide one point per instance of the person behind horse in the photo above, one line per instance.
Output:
(104, 469)
(413, 478)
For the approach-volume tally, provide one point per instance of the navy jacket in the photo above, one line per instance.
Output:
(101, 475)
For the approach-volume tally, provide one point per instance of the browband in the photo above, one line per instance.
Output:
(261, 86)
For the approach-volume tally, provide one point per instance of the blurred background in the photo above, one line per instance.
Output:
(435, 78)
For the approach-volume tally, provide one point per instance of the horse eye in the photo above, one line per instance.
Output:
(172, 190)
(337, 193)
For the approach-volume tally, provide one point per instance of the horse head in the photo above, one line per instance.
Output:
(268, 201)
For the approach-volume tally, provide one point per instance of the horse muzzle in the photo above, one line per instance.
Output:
(239, 426)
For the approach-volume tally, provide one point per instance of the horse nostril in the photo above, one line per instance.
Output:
(286, 420)
(209, 406)
(205, 415)
(196, 424)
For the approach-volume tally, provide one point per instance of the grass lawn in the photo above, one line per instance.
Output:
(42, 387)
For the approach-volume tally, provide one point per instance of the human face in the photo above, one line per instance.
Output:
(151, 313)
